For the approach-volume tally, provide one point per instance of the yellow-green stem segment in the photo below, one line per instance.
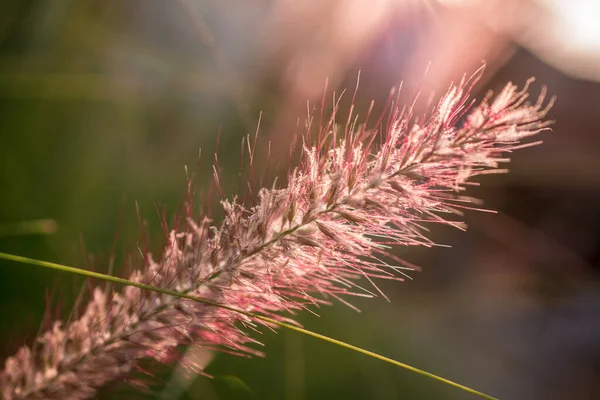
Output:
(109, 278)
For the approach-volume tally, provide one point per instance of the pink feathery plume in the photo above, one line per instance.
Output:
(344, 206)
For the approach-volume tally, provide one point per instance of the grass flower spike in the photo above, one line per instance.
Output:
(350, 199)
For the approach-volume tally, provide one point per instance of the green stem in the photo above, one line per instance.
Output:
(114, 279)
(31, 227)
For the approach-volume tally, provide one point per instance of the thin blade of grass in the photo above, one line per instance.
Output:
(122, 281)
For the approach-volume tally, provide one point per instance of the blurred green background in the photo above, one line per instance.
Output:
(103, 103)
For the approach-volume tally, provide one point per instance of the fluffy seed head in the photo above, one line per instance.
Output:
(301, 245)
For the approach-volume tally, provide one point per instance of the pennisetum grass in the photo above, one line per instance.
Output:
(352, 196)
